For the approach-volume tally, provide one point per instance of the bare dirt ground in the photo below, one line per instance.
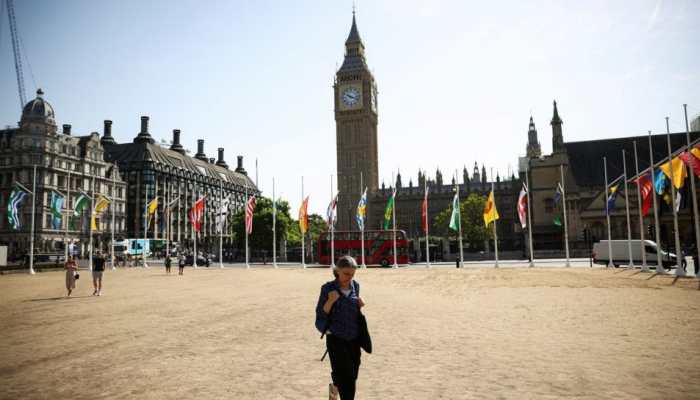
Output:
(438, 334)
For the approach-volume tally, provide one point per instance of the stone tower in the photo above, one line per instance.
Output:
(557, 137)
(533, 145)
(355, 99)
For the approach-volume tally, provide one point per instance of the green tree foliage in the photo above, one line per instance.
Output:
(474, 232)
(261, 238)
(316, 225)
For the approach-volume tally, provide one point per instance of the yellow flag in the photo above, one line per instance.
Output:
(490, 211)
(152, 206)
(679, 172)
(101, 205)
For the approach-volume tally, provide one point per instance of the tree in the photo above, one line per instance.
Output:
(316, 225)
(261, 238)
(474, 232)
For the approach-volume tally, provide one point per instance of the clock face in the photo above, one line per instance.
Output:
(351, 96)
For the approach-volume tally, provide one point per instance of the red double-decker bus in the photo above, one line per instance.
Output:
(379, 247)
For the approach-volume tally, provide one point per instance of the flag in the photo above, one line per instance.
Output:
(679, 171)
(389, 210)
(660, 182)
(557, 220)
(304, 216)
(362, 211)
(645, 191)
(490, 211)
(557, 194)
(612, 196)
(56, 207)
(424, 212)
(170, 206)
(196, 213)
(330, 211)
(80, 203)
(455, 218)
(151, 208)
(16, 198)
(249, 210)
(691, 160)
(522, 207)
(101, 205)
(222, 215)
(678, 201)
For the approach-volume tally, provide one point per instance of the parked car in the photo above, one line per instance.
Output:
(201, 260)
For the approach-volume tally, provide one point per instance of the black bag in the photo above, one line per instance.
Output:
(77, 276)
(363, 337)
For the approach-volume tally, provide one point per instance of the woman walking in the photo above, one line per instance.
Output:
(337, 315)
(71, 267)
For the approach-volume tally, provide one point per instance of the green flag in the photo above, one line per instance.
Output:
(454, 220)
(15, 201)
(80, 204)
(389, 210)
(557, 220)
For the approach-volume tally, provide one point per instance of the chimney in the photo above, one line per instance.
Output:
(220, 162)
(107, 138)
(200, 151)
(176, 146)
(211, 160)
(144, 136)
(240, 168)
(66, 129)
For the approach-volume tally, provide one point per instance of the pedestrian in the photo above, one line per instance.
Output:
(98, 269)
(71, 267)
(181, 264)
(167, 265)
(337, 315)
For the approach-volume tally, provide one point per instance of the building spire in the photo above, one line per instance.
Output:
(533, 145)
(557, 136)
(354, 36)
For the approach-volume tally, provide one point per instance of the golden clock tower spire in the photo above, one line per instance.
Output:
(355, 99)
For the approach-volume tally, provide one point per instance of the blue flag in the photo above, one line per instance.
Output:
(56, 207)
(612, 196)
(660, 182)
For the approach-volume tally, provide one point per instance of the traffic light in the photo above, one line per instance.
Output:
(650, 231)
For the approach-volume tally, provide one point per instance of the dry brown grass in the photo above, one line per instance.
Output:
(442, 333)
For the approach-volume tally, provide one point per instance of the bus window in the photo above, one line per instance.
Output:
(650, 249)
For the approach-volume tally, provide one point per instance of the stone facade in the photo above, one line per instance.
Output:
(65, 164)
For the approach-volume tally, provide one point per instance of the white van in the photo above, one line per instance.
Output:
(620, 253)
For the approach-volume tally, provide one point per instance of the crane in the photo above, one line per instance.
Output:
(16, 50)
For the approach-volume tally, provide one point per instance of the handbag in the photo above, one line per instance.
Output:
(77, 276)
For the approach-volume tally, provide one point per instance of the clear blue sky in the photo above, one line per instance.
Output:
(457, 80)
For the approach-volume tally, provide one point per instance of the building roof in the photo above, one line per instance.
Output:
(139, 152)
(39, 110)
(586, 158)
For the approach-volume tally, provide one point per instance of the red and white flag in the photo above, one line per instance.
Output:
(249, 209)
(196, 213)
(522, 207)
(330, 211)
(424, 212)
(646, 191)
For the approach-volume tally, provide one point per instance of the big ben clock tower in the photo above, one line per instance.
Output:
(355, 95)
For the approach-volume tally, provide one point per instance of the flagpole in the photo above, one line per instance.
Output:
(680, 271)
(303, 234)
(68, 209)
(529, 218)
(362, 228)
(645, 268)
(627, 210)
(145, 221)
(495, 231)
(427, 226)
(31, 235)
(195, 219)
(566, 226)
(657, 229)
(393, 219)
(114, 205)
(166, 215)
(222, 221)
(92, 216)
(245, 222)
(274, 226)
(692, 188)
(155, 212)
(607, 213)
(332, 217)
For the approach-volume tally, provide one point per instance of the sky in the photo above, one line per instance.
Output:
(457, 80)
